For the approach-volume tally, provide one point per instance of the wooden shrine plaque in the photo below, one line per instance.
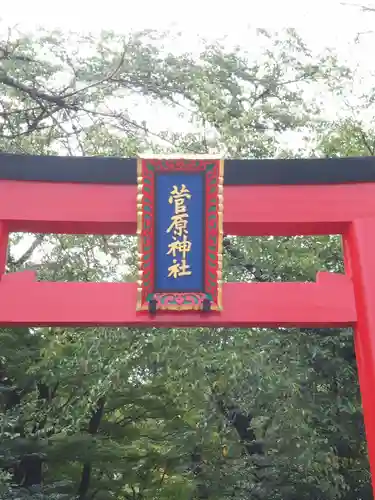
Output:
(180, 232)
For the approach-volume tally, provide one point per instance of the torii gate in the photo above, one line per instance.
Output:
(262, 197)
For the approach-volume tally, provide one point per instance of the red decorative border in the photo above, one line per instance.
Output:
(213, 168)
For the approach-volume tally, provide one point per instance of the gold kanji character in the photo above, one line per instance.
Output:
(178, 269)
(182, 246)
(178, 198)
(179, 224)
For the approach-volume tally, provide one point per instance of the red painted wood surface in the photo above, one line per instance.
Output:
(26, 302)
(248, 210)
(360, 250)
(3, 246)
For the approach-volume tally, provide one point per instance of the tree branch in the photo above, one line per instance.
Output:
(35, 244)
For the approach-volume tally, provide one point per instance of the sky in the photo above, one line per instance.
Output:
(321, 22)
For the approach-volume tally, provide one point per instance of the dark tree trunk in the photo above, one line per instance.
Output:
(93, 428)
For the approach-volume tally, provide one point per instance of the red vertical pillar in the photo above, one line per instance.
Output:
(4, 235)
(359, 246)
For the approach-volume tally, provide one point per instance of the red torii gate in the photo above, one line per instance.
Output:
(265, 197)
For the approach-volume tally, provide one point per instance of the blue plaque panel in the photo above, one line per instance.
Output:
(179, 232)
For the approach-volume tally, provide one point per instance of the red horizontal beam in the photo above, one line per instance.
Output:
(327, 303)
(248, 210)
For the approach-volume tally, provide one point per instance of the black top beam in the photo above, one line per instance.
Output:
(111, 170)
